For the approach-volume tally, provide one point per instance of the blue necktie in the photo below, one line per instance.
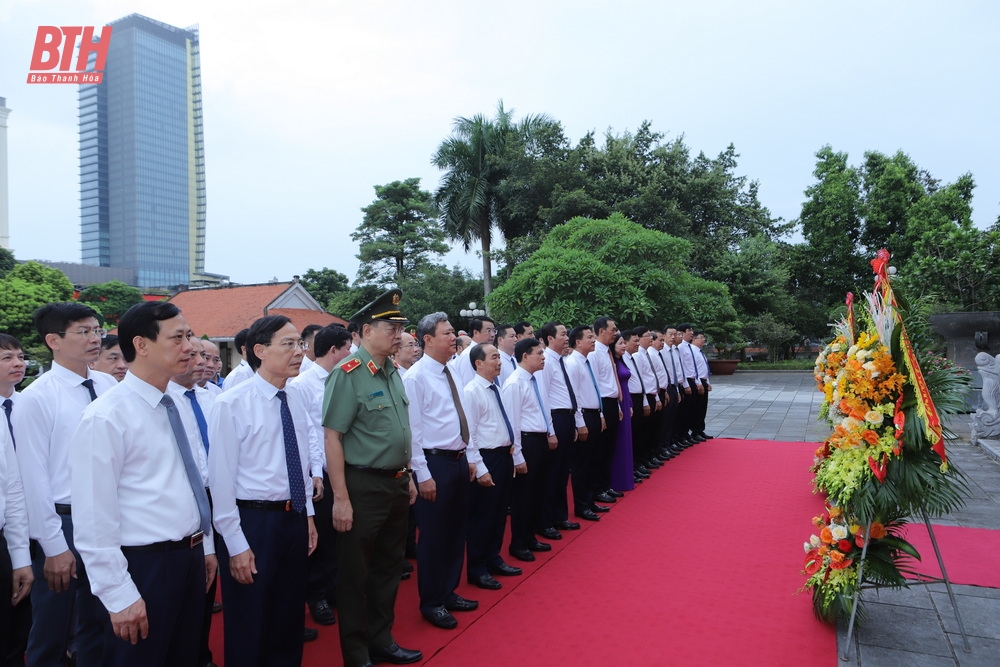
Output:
(296, 483)
(199, 417)
(538, 395)
(673, 362)
(193, 474)
(510, 431)
(7, 405)
(89, 384)
(569, 386)
(597, 390)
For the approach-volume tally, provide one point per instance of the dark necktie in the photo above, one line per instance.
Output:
(199, 417)
(510, 431)
(597, 390)
(513, 364)
(694, 361)
(193, 474)
(673, 362)
(293, 463)
(664, 364)
(538, 395)
(463, 425)
(7, 405)
(569, 387)
(635, 365)
(89, 384)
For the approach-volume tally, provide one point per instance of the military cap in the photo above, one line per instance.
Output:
(384, 308)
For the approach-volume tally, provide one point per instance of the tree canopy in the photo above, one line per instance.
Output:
(110, 299)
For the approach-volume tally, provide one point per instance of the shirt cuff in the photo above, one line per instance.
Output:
(55, 546)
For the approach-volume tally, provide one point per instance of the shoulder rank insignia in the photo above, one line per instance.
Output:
(349, 366)
(372, 367)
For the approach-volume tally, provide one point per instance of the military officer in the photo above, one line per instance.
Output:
(367, 437)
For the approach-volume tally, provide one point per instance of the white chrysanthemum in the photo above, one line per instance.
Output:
(839, 532)
(814, 541)
(873, 417)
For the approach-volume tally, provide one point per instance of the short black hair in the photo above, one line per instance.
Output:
(260, 333)
(109, 342)
(684, 327)
(8, 342)
(627, 334)
(525, 346)
(547, 331)
(601, 323)
(311, 329)
(240, 340)
(576, 334)
(476, 323)
(330, 337)
(57, 317)
(614, 342)
(502, 330)
(640, 331)
(477, 353)
(143, 319)
(520, 327)
(352, 327)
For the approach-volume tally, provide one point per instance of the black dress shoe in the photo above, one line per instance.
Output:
(588, 515)
(461, 604)
(604, 498)
(407, 566)
(539, 546)
(550, 534)
(637, 479)
(567, 525)
(703, 435)
(403, 576)
(366, 663)
(653, 463)
(594, 507)
(441, 618)
(322, 613)
(522, 554)
(395, 654)
(614, 494)
(310, 634)
(505, 570)
(486, 581)
(643, 470)
(216, 607)
(698, 438)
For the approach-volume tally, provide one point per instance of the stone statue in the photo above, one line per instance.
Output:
(986, 421)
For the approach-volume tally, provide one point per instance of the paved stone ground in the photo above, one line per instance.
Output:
(913, 627)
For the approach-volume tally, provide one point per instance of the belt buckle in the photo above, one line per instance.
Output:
(288, 505)
(197, 539)
(399, 473)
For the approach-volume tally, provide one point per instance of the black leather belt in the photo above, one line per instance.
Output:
(562, 411)
(385, 472)
(534, 434)
(447, 453)
(64, 509)
(591, 411)
(189, 542)
(270, 505)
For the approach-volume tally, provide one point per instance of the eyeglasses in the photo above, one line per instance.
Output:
(288, 345)
(86, 333)
(393, 328)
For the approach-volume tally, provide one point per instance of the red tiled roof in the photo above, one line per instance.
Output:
(301, 317)
(221, 312)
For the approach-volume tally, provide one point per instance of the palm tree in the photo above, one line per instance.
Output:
(474, 159)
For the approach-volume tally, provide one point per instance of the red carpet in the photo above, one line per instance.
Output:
(969, 554)
(699, 565)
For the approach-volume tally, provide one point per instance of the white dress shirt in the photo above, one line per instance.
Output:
(212, 388)
(686, 356)
(557, 395)
(47, 414)
(247, 458)
(522, 405)
(486, 426)
(700, 363)
(604, 370)
(313, 382)
(673, 358)
(433, 419)
(13, 512)
(461, 367)
(507, 366)
(656, 362)
(649, 379)
(130, 487)
(583, 383)
(635, 385)
(241, 373)
(306, 364)
(186, 410)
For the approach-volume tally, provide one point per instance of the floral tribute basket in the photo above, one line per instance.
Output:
(885, 459)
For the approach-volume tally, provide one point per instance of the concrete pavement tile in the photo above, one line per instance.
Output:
(979, 615)
(985, 652)
(903, 628)
(876, 656)
(914, 596)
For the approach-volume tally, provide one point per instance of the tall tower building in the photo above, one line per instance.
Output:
(4, 210)
(142, 157)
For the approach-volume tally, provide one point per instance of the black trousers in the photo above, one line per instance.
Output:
(640, 431)
(526, 505)
(700, 409)
(556, 505)
(15, 622)
(488, 512)
(264, 620)
(442, 525)
(688, 408)
(323, 561)
(602, 479)
(585, 459)
(370, 559)
(172, 585)
(668, 421)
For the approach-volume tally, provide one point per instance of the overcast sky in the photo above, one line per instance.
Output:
(307, 105)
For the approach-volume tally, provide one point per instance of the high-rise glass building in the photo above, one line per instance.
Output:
(142, 157)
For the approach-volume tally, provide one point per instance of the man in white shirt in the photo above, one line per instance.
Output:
(243, 371)
(483, 331)
(506, 340)
(668, 394)
(261, 437)
(48, 412)
(496, 458)
(213, 364)
(568, 427)
(12, 369)
(704, 380)
(533, 433)
(440, 433)
(582, 340)
(678, 441)
(645, 454)
(409, 353)
(524, 330)
(331, 345)
(15, 560)
(139, 502)
(693, 390)
(603, 367)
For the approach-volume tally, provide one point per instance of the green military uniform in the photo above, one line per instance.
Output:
(367, 405)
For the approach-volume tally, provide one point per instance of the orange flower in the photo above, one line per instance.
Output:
(841, 565)
(836, 557)
(878, 531)
(826, 536)
(836, 512)
(870, 436)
